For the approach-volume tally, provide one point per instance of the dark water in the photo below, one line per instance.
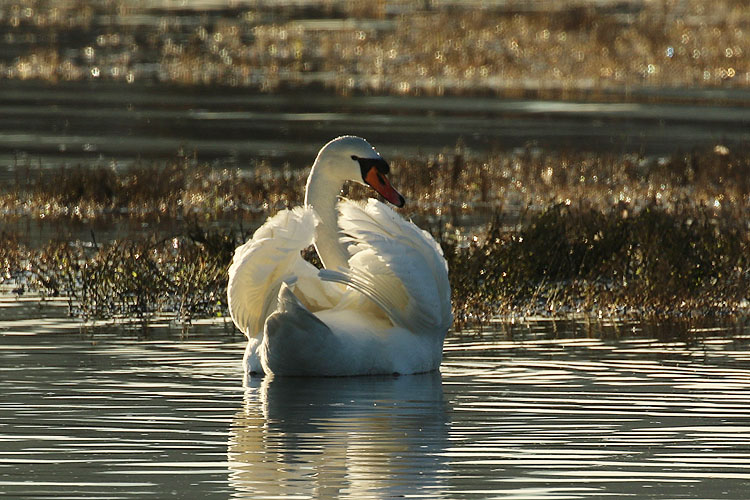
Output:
(110, 123)
(549, 414)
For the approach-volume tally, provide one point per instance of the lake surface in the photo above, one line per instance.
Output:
(118, 124)
(536, 410)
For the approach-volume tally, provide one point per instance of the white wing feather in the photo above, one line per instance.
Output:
(397, 265)
(269, 258)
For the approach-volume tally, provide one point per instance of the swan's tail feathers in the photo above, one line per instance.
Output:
(386, 249)
(263, 263)
(295, 340)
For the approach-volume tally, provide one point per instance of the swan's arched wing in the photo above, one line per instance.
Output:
(397, 265)
(259, 267)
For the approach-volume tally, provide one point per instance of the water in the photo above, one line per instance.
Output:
(541, 412)
(110, 123)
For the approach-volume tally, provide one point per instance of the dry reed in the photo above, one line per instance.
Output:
(528, 232)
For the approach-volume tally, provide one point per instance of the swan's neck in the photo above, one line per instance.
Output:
(323, 189)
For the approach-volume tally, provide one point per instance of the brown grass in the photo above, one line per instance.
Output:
(529, 232)
(552, 48)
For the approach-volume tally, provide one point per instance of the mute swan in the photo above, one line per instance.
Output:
(381, 304)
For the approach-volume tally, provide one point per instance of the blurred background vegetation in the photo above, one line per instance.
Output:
(405, 47)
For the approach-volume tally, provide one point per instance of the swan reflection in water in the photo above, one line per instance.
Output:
(329, 437)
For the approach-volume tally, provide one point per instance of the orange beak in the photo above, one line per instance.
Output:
(379, 183)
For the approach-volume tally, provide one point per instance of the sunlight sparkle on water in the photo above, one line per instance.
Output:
(592, 416)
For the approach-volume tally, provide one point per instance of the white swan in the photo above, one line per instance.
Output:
(380, 306)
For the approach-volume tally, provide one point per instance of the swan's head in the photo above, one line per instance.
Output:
(354, 159)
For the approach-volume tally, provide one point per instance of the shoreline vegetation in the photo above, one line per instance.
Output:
(525, 232)
(515, 48)
(528, 232)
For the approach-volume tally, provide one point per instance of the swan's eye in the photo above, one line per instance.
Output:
(371, 164)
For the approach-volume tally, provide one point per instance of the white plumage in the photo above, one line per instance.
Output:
(381, 306)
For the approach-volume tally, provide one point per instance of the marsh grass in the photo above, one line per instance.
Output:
(524, 232)
(147, 192)
(184, 277)
(561, 49)
(580, 261)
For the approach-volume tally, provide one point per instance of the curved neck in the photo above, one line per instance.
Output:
(323, 188)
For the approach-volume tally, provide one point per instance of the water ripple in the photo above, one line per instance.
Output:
(112, 417)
